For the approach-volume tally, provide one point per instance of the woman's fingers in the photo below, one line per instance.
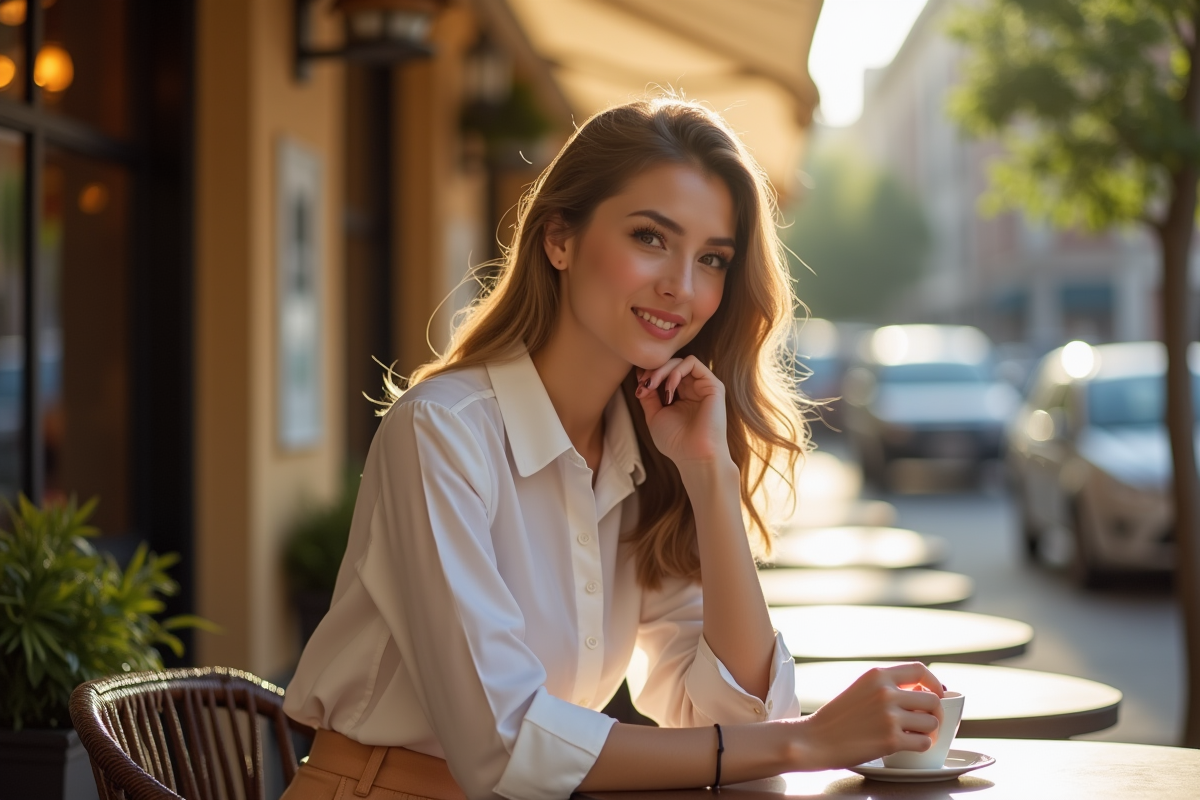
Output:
(915, 674)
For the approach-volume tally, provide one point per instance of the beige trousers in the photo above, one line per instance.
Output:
(339, 768)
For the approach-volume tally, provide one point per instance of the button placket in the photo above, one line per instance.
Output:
(588, 577)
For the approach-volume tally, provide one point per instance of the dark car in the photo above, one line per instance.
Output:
(926, 392)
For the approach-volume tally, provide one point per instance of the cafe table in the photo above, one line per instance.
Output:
(1025, 769)
(882, 633)
(857, 546)
(1002, 702)
(865, 586)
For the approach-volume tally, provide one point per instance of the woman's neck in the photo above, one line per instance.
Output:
(580, 377)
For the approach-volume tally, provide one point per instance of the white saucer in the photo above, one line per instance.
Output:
(957, 763)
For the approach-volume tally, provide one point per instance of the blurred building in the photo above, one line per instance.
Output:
(205, 239)
(1023, 282)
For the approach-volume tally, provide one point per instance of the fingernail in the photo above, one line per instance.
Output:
(943, 687)
(647, 383)
(670, 396)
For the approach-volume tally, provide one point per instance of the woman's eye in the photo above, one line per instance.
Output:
(714, 260)
(648, 237)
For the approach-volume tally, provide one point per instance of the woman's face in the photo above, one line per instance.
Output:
(648, 270)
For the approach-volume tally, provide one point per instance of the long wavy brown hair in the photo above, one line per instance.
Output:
(742, 343)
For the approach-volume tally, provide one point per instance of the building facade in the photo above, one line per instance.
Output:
(1023, 281)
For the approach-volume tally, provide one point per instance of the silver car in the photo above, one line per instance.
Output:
(1089, 457)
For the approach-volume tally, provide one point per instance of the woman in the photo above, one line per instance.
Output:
(548, 495)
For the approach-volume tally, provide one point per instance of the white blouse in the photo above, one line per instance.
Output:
(486, 606)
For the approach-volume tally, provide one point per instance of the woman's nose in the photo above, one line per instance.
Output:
(676, 283)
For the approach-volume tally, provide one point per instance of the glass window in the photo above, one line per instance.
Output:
(1132, 401)
(12, 49)
(85, 334)
(83, 63)
(12, 309)
(933, 372)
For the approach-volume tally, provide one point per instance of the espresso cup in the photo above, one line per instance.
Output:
(935, 756)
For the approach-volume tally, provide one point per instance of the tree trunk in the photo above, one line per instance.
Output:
(1176, 240)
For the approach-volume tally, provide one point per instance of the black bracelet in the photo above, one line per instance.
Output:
(716, 785)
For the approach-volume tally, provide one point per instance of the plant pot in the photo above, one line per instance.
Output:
(311, 607)
(45, 764)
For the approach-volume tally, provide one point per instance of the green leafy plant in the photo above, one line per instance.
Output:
(317, 542)
(70, 614)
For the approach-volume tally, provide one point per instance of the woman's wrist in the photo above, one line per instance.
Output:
(701, 478)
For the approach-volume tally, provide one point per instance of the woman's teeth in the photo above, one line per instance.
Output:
(653, 320)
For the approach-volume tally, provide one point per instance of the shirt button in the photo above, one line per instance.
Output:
(770, 703)
(583, 538)
(592, 586)
(592, 642)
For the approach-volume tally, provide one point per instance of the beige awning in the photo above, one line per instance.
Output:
(748, 59)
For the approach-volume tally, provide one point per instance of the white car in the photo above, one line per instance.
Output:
(1088, 455)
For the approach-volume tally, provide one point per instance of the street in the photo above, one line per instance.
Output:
(1127, 635)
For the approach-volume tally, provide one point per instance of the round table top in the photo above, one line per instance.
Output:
(1001, 701)
(883, 633)
(1024, 768)
(858, 546)
(864, 586)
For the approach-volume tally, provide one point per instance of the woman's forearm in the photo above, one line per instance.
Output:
(642, 757)
(871, 718)
(736, 625)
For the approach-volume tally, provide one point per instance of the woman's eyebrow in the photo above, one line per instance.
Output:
(675, 228)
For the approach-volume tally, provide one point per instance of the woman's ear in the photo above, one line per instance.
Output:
(554, 240)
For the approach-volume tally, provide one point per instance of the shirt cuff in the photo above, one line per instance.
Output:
(715, 694)
(556, 747)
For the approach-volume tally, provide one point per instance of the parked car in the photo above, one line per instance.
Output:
(928, 392)
(1088, 454)
(822, 350)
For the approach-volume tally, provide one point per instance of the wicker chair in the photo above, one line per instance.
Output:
(190, 733)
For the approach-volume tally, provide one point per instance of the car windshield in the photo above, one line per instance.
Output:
(933, 372)
(1130, 401)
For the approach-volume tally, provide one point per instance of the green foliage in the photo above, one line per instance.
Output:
(71, 614)
(318, 541)
(862, 235)
(518, 118)
(1085, 96)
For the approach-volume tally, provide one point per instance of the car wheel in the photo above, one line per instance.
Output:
(1085, 565)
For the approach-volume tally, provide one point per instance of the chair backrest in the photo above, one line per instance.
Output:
(191, 733)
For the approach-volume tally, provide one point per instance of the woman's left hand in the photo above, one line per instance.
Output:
(691, 428)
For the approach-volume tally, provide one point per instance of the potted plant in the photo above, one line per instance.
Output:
(313, 555)
(68, 614)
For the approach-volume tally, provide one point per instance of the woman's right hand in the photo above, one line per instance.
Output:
(877, 716)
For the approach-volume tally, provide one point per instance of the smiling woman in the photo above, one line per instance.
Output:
(546, 497)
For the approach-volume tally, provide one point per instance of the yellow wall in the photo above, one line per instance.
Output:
(247, 488)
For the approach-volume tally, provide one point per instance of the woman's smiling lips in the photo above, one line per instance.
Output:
(660, 324)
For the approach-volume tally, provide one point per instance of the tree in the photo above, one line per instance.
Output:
(854, 228)
(1098, 105)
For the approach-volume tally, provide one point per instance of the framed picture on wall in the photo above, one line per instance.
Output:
(299, 276)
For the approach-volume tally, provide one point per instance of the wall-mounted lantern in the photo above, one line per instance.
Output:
(377, 31)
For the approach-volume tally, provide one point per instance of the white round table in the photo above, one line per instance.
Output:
(865, 586)
(858, 546)
(1002, 702)
(882, 633)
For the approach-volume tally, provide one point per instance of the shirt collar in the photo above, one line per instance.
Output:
(536, 434)
(620, 438)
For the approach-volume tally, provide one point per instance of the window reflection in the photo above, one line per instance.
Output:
(12, 49)
(82, 65)
(85, 334)
(12, 316)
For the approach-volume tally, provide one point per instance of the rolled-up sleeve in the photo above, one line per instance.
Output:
(431, 570)
(686, 684)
